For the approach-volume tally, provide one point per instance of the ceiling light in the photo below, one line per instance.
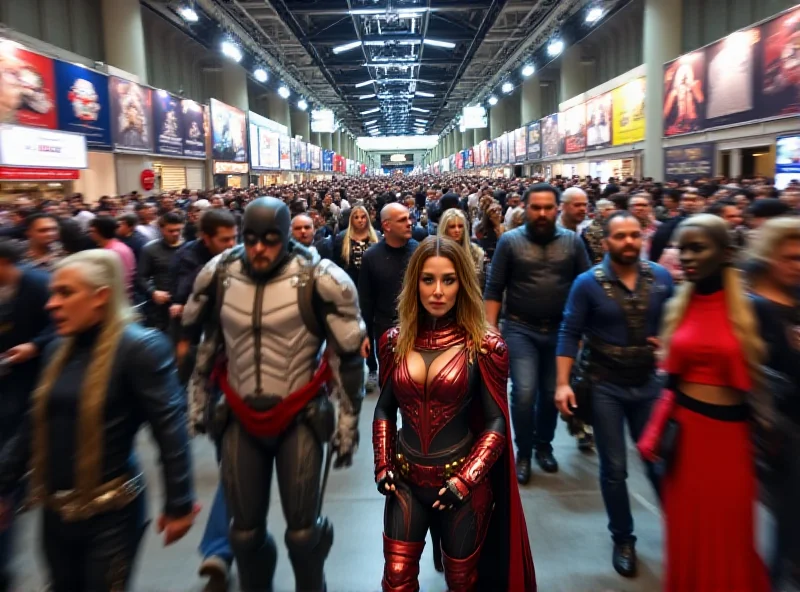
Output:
(284, 92)
(346, 47)
(555, 48)
(420, 93)
(528, 70)
(507, 87)
(188, 14)
(493, 100)
(425, 121)
(302, 105)
(369, 111)
(392, 64)
(412, 10)
(437, 43)
(594, 15)
(362, 11)
(260, 74)
(420, 110)
(365, 83)
(231, 50)
(362, 97)
(371, 122)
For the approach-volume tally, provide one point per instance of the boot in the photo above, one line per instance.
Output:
(401, 568)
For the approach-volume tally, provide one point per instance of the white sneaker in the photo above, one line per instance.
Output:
(216, 570)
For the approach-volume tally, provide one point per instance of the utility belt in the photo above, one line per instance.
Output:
(108, 497)
(626, 366)
(434, 469)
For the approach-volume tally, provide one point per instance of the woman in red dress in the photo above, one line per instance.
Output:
(712, 355)
(451, 466)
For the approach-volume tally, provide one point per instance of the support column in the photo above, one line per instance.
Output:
(571, 73)
(123, 37)
(467, 139)
(736, 162)
(327, 141)
(278, 110)
(337, 142)
(481, 134)
(301, 124)
(662, 42)
(234, 86)
(512, 109)
(497, 120)
(316, 138)
(530, 108)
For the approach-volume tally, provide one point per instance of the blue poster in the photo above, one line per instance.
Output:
(787, 161)
(194, 137)
(168, 123)
(83, 104)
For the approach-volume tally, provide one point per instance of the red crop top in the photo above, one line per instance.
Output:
(704, 349)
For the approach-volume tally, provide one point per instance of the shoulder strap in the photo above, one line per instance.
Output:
(635, 308)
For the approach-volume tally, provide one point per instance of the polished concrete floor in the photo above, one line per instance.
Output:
(564, 512)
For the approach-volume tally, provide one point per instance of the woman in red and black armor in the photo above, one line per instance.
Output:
(452, 465)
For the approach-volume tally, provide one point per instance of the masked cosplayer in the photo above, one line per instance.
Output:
(266, 308)
(451, 466)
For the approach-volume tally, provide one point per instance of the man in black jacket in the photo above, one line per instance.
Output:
(25, 330)
(691, 203)
(153, 277)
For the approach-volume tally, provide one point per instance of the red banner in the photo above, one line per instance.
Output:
(27, 87)
(38, 174)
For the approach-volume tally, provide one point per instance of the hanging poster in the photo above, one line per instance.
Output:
(684, 94)
(131, 115)
(316, 158)
(780, 72)
(534, 141)
(627, 105)
(730, 78)
(27, 87)
(598, 121)
(83, 106)
(285, 144)
(550, 139)
(573, 122)
(302, 150)
(485, 153)
(168, 123)
(269, 154)
(229, 130)
(490, 152)
(504, 148)
(194, 135)
(459, 160)
(521, 144)
(689, 163)
(787, 160)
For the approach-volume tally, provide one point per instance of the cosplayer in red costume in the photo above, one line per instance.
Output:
(452, 464)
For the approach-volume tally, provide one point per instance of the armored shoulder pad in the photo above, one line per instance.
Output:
(341, 313)
(493, 345)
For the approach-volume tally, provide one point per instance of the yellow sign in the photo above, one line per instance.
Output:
(628, 107)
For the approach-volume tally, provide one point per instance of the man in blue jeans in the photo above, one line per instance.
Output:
(535, 266)
(616, 309)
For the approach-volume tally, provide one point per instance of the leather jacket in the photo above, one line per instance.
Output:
(536, 277)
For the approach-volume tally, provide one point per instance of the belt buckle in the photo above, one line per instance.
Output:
(451, 468)
(403, 466)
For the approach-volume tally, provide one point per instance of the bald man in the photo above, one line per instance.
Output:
(573, 209)
(303, 229)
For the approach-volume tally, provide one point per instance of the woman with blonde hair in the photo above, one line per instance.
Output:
(700, 429)
(350, 244)
(102, 379)
(453, 224)
(451, 466)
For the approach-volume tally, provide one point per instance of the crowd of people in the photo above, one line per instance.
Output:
(670, 307)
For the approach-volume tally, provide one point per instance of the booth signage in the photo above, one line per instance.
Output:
(42, 148)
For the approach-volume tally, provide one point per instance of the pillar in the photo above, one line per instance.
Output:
(278, 110)
(512, 109)
(662, 43)
(301, 124)
(467, 139)
(327, 141)
(736, 162)
(234, 86)
(316, 138)
(571, 73)
(497, 120)
(530, 108)
(481, 134)
(123, 37)
(337, 141)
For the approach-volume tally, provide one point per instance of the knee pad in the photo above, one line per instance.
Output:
(247, 540)
(305, 541)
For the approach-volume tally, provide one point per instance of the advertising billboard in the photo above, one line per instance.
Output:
(534, 141)
(27, 147)
(573, 122)
(83, 105)
(787, 161)
(322, 121)
(285, 144)
(316, 158)
(521, 144)
(28, 86)
(627, 106)
(550, 138)
(779, 84)
(228, 132)
(684, 104)
(264, 142)
(474, 117)
(168, 123)
(730, 78)
(689, 163)
(131, 115)
(598, 121)
(504, 140)
(194, 129)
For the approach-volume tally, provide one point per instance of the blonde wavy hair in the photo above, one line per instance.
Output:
(740, 309)
(451, 215)
(372, 235)
(766, 241)
(469, 313)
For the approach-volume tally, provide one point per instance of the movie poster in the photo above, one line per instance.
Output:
(627, 106)
(521, 143)
(730, 78)
(689, 163)
(787, 161)
(131, 115)
(194, 136)
(598, 122)
(269, 154)
(504, 148)
(573, 121)
(550, 139)
(229, 131)
(534, 141)
(490, 153)
(460, 160)
(27, 87)
(684, 94)
(302, 151)
(780, 78)
(83, 105)
(168, 123)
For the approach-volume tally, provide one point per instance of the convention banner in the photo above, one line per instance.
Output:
(573, 122)
(469, 163)
(779, 83)
(731, 78)
(489, 152)
(327, 160)
(689, 163)
(598, 121)
(229, 131)
(460, 160)
(131, 115)
(452, 162)
(685, 94)
(27, 87)
(550, 139)
(269, 152)
(504, 140)
(627, 105)
(476, 155)
(534, 141)
(83, 105)
(521, 144)
(316, 158)
(484, 145)
(302, 150)
(194, 129)
(168, 123)
(787, 160)
(285, 144)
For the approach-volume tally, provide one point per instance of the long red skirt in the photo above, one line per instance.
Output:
(709, 498)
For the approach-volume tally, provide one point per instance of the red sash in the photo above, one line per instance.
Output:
(271, 423)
